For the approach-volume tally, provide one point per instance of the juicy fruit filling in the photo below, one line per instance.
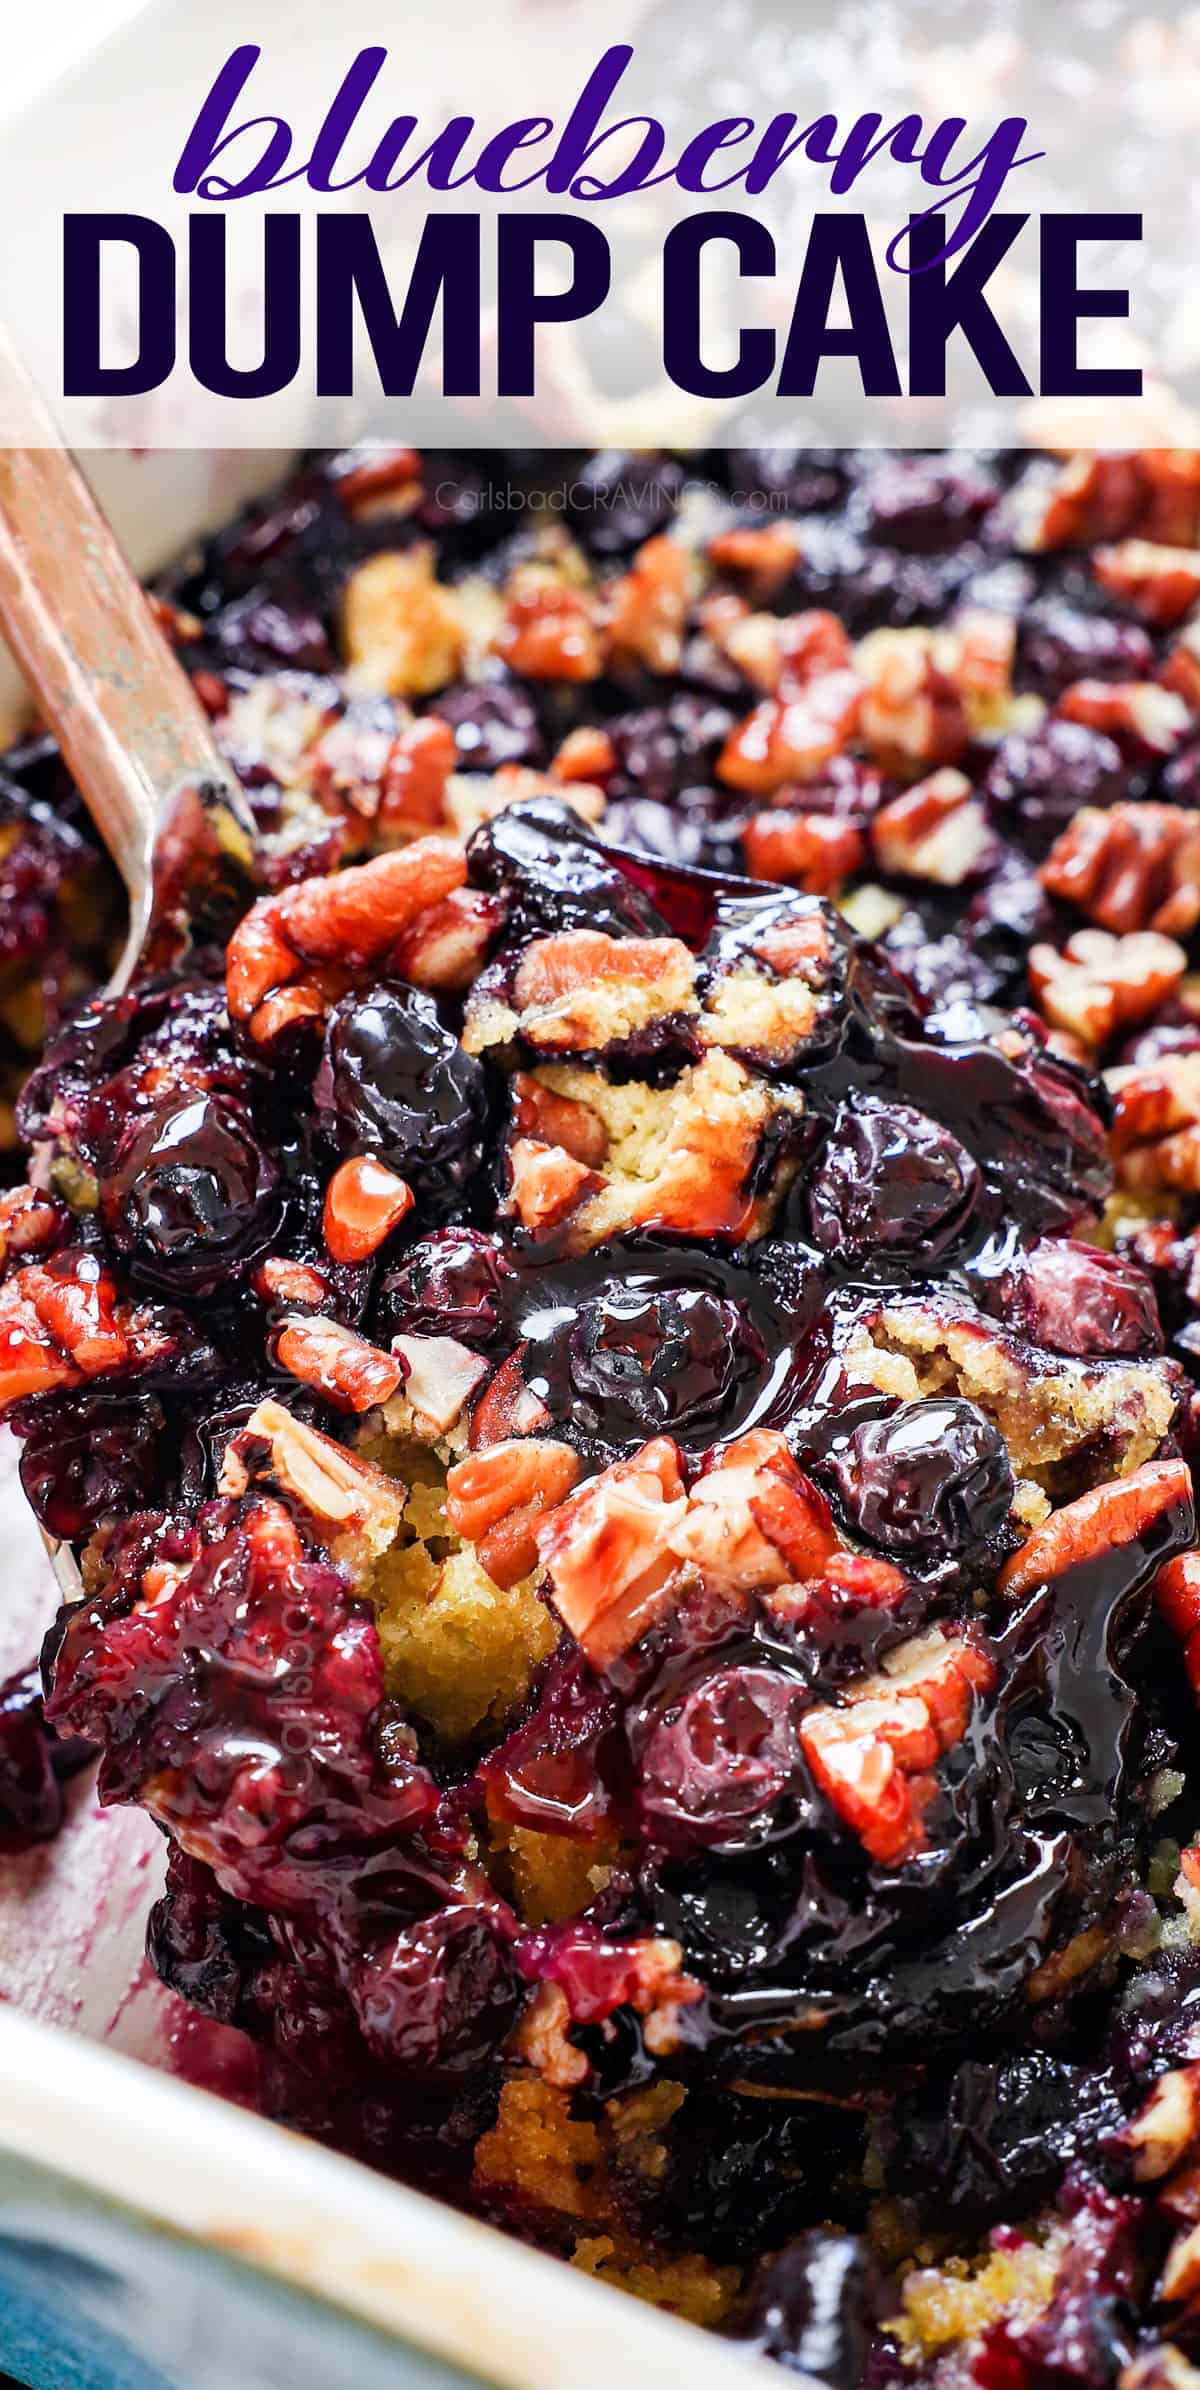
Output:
(617, 1340)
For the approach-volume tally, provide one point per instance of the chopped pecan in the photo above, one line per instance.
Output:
(913, 715)
(402, 632)
(586, 754)
(440, 1376)
(309, 939)
(339, 1490)
(30, 1222)
(753, 1520)
(1149, 493)
(497, 1498)
(1166, 2124)
(937, 830)
(792, 738)
(1102, 1520)
(416, 777)
(764, 553)
(445, 947)
(476, 797)
(546, 1184)
(1181, 670)
(1099, 983)
(379, 480)
(648, 606)
(605, 1551)
(364, 1201)
(1134, 867)
(558, 1120)
(549, 629)
(342, 1366)
(1161, 2367)
(871, 1757)
(508, 1407)
(293, 1284)
(1177, 1593)
(542, 2039)
(1143, 717)
(1155, 1135)
(782, 653)
(58, 1327)
(813, 851)
(1162, 584)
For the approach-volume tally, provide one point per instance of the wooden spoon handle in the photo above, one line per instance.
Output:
(84, 634)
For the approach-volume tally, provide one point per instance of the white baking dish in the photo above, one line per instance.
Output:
(88, 2112)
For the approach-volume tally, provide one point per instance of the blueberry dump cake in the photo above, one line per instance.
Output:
(617, 1340)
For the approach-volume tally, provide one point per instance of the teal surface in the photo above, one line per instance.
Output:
(91, 2298)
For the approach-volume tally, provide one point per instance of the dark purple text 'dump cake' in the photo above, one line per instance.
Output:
(617, 1343)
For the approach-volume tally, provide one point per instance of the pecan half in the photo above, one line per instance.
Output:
(308, 940)
(59, 1324)
(1103, 1520)
(497, 1498)
(1100, 983)
(1134, 867)
(1155, 1136)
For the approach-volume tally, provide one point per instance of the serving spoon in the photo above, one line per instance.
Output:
(123, 710)
(127, 719)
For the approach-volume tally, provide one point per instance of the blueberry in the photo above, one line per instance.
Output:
(718, 1761)
(619, 499)
(814, 2308)
(556, 875)
(193, 1196)
(1078, 1299)
(645, 1363)
(398, 1084)
(927, 1482)
(494, 723)
(451, 1284)
(890, 1181)
(661, 749)
(1038, 779)
(89, 1457)
(925, 503)
(441, 1995)
(1061, 643)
